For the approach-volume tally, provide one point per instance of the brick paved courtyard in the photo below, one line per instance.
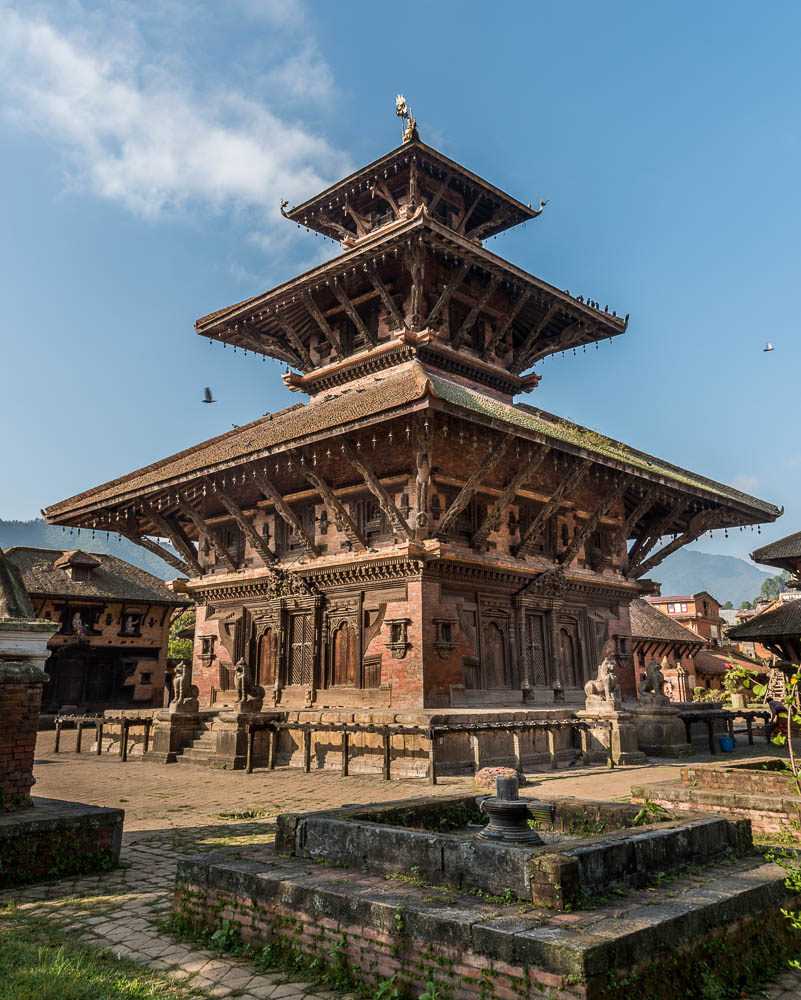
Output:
(181, 810)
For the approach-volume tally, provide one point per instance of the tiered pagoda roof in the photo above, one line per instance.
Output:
(414, 324)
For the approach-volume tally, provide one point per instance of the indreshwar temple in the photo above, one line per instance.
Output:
(409, 538)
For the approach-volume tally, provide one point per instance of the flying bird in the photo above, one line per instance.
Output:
(207, 396)
(768, 347)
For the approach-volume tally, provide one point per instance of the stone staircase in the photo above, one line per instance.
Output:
(203, 745)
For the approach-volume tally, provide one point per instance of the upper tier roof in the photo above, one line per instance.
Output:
(648, 623)
(367, 198)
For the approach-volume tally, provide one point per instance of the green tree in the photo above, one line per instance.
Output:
(178, 647)
(746, 606)
(728, 606)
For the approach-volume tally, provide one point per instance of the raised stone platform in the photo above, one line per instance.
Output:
(643, 944)
(760, 789)
(52, 839)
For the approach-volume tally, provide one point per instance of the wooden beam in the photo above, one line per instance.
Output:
(485, 227)
(500, 332)
(271, 491)
(342, 231)
(353, 314)
(492, 519)
(473, 315)
(337, 511)
(702, 522)
(180, 541)
(640, 510)
(295, 340)
(266, 554)
(361, 224)
(437, 195)
(158, 550)
(522, 354)
(551, 506)
(451, 285)
(386, 194)
(652, 533)
(258, 341)
(589, 526)
(485, 468)
(468, 212)
(389, 303)
(207, 532)
(417, 270)
(325, 328)
(388, 507)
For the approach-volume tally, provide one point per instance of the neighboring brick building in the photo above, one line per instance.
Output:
(699, 612)
(656, 636)
(111, 647)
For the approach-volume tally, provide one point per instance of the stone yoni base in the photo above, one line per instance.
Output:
(52, 839)
(648, 945)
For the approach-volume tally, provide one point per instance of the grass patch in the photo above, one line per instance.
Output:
(39, 961)
(247, 814)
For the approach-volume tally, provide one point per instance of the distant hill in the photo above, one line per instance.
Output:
(727, 578)
(39, 535)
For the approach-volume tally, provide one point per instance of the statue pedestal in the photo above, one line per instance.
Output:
(174, 729)
(615, 729)
(660, 731)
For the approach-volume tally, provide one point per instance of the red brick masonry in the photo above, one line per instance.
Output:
(20, 700)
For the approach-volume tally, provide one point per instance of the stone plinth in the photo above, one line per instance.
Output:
(20, 701)
(55, 839)
(25, 640)
(231, 738)
(171, 733)
(660, 731)
(615, 729)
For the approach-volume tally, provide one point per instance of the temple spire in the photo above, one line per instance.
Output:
(402, 110)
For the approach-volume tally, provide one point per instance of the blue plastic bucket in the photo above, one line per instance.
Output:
(727, 743)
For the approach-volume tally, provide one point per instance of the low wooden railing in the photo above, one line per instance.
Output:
(99, 722)
(431, 734)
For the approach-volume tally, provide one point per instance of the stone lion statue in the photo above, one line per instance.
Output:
(185, 693)
(249, 696)
(603, 691)
(652, 684)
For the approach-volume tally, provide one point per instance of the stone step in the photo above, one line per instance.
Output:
(191, 755)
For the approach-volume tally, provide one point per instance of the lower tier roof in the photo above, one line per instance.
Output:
(406, 388)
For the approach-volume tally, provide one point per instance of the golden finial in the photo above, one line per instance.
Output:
(402, 110)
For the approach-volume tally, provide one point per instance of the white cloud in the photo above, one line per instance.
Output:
(137, 127)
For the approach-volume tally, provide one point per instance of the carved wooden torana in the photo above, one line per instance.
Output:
(410, 537)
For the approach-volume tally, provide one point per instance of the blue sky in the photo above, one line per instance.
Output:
(146, 147)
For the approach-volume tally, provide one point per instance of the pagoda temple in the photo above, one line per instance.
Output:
(409, 537)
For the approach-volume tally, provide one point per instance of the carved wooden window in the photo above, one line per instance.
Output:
(541, 673)
(469, 520)
(289, 539)
(231, 538)
(343, 658)
(372, 671)
(301, 649)
(268, 658)
(370, 519)
(544, 544)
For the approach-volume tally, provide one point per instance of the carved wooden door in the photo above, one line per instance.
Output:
(344, 656)
(268, 658)
(494, 661)
(541, 673)
(569, 652)
(301, 649)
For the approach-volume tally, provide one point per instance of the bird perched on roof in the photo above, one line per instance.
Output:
(768, 347)
(208, 396)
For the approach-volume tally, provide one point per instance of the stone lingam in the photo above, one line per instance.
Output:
(508, 815)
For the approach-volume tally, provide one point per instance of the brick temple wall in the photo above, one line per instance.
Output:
(20, 700)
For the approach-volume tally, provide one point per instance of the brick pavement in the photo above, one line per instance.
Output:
(176, 811)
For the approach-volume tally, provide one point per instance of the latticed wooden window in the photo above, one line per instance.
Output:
(301, 649)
